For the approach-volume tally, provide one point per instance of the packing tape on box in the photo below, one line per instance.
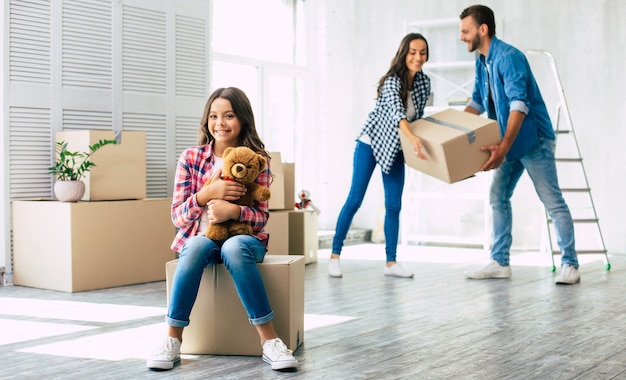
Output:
(471, 135)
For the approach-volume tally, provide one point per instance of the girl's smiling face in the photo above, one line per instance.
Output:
(224, 125)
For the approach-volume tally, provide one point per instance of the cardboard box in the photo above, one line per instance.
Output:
(452, 141)
(120, 171)
(277, 187)
(278, 228)
(77, 246)
(219, 324)
(283, 188)
(303, 239)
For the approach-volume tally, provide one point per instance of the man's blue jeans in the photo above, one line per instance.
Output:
(393, 184)
(541, 167)
(240, 254)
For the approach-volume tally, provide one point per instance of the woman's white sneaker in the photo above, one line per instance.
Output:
(334, 269)
(397, 270)
(569, 275)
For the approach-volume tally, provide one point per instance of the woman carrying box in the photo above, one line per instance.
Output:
(401, 98)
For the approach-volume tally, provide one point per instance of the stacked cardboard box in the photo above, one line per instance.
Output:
(292, 232)
(115, 236)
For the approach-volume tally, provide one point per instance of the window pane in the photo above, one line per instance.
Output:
(245, 77)
(255, 29)
(283, 112)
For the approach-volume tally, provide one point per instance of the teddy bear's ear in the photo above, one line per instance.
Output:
(227, 151)
(262, 162)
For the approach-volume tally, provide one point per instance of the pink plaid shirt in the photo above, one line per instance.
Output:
(195, 167)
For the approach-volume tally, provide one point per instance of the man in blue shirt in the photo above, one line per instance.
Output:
(506, 90)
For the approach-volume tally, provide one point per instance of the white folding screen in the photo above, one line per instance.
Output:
(135, 65)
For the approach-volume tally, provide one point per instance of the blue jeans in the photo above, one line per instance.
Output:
(393, 183)
(240, 254)
(541, 167)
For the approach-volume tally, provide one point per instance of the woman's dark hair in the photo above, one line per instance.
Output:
(398, 66)
(482, 15)
(243, 110)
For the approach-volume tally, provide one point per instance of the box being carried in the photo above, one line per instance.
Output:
(452, 141)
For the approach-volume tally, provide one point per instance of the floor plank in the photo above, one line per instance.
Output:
(437, 325)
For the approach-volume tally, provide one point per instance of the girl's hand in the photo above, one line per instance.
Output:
(220, 189)
(219, 211)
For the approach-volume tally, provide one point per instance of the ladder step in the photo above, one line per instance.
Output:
(584, 251)
(590, 220)
(576, 190)
(563, 131)
(572, 159)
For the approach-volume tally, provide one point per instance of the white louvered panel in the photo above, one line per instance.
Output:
(143, 50)
(156, 150)
(87, 43)
(84, 119)
(29, 41)
(186, 133)
(191, 56)
(30, 153)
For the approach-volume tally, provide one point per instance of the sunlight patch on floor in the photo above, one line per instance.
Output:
(134, 343)
(12, 331)
(76, 311)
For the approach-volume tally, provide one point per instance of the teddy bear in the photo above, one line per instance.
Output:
(240, 164)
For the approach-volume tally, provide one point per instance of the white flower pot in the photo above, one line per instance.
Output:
(69, 191)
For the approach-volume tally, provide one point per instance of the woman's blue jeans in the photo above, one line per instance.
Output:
(393, 183)
(240, 254)
(541, 167)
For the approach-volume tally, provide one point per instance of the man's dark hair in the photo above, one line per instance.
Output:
(482, 15)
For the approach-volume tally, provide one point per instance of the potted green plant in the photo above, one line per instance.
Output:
(70, 167)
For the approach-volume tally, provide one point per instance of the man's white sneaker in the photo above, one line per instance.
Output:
(397, 270)
(569, 275)
(276, 354)
(334, 269)
(491, 270)
(164, 356)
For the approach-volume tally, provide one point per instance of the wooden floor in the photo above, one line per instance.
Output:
(437, 325)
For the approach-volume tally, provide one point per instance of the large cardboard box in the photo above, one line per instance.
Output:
(277, 187)
(278, 228)
(76, 246)
(283, 186)
(219, 324)
(452, 141)
(303, 239)
(120, 171)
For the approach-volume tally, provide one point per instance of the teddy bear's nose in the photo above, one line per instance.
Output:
(239, 168)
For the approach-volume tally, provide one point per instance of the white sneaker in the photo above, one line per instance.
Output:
(491, 270)
(334, 269)
(397, 270)
(276, 354)
(164, 356)
(569, 275)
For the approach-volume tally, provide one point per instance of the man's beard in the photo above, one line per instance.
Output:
(474, 44)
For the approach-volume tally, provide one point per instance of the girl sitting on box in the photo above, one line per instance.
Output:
(401, 98)
(227, 121)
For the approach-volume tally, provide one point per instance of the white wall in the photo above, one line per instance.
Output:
(585, 37)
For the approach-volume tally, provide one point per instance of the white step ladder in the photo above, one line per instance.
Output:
(572, 175)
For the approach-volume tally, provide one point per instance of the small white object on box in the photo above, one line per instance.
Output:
(452, 141)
